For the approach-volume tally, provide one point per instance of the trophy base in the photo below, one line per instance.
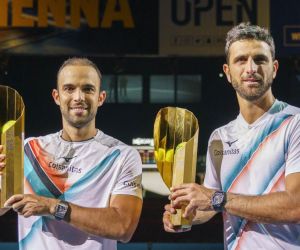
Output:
(179, 222)
(185, 226)
(182, 228)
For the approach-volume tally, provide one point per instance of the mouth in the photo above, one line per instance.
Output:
(251, 81)
(78, 110)
(251, 78)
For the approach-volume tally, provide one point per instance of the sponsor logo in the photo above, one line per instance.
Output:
(61, 167)
(131, 184)
(232, 151)
(231, 142)
(67, 159)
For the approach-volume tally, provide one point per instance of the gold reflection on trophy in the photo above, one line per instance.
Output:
(175, 144)
(12, 112)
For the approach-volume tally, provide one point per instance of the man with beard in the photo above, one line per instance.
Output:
(82, 187)
(253, 163)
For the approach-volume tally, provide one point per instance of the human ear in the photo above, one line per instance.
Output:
(102, 97)
(227, 72)
(55, 96)
(275, 68)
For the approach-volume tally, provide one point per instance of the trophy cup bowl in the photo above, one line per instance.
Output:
(12, 113)
(175, 143)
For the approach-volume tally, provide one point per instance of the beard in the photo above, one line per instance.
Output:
(78, 122)
(252, 93)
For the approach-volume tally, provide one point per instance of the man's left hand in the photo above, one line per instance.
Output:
(196, 196)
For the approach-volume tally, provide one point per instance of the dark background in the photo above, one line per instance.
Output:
(35, 77)
(119, 51)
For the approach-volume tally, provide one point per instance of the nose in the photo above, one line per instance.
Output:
(251, 66)
(79, 95)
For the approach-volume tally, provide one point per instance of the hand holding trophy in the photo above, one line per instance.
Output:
(12, 112)
(175, 144)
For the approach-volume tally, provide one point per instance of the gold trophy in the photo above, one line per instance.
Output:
(175, 143)
(12, 113)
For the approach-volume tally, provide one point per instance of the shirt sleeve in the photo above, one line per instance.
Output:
(293, 148)
(130, 177)
(212, 173)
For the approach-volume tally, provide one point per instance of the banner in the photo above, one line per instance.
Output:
(198, 28)
(72, 27)
(135, 27)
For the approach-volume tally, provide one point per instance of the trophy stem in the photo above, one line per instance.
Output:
(179, 221)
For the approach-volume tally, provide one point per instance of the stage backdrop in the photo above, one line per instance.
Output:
(135, 27)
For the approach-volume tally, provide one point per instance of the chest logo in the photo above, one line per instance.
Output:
(230, 143)
(67, 159)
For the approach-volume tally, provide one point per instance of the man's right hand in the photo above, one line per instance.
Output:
(2, 165)
(2, 159)
(168, 226)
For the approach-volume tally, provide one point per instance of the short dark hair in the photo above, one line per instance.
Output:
(245, 31)
(79, 61)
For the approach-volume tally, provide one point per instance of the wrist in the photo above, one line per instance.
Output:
(218, 201)
(52, 206)
(62, 210)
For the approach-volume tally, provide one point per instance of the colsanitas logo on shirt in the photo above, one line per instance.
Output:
(232, 151)
(62, 168)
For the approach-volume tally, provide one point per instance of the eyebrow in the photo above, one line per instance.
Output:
(257, 56)
(235, 59)
(89, 85)
(83, 85)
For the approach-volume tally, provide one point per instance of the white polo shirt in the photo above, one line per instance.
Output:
(254, 159)
(85, 173)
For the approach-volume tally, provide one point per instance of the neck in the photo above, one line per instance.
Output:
(71, 133)
(252, 110)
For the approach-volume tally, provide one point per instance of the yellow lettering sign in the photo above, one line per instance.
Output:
(57, 9)
(117, 11)
(3, 13)
(54, 13)
(18, 18)
(90, 8)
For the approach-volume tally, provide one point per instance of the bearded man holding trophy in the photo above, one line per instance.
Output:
(82, 188)
(253, 162)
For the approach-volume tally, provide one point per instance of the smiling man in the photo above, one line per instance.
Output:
(253, 163)
(76, 180)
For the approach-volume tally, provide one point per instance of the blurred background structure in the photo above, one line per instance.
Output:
(152, 54)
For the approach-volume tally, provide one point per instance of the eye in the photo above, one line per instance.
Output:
(240, 59)
(260, 60)
(88, 89)
(68, 88)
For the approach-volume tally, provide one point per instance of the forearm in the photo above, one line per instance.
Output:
(118, 221)
(203, 216)
(277, 207)
(104, 222)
